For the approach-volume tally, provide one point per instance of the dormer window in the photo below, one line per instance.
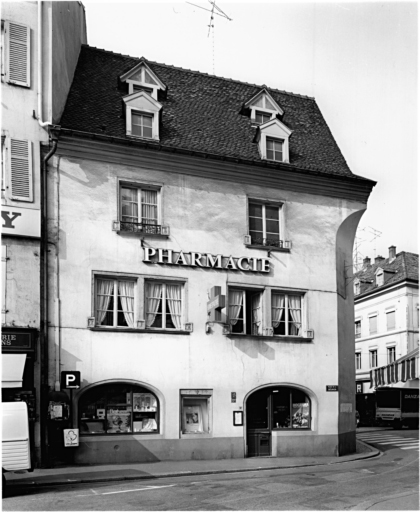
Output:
(142, 78)
(357, 287)
(141, 124)
(274, 148)
(262, 117)
(380, 278)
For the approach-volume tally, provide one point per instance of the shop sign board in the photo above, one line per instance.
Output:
(71, 437)
(17, 221)
(205, 260)
(332, 388)
(70, 380)
(16, 341)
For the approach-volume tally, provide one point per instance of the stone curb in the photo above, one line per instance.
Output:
(19, 485)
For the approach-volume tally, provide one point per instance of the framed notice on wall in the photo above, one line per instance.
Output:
(238, 418)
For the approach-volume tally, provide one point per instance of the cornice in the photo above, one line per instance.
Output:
(203, 165)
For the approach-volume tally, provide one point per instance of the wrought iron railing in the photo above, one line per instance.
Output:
(268, 242)
(138, 227)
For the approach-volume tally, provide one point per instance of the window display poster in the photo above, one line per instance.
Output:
(300, 415)
(144, 402)
(118, 421)
(193, 419)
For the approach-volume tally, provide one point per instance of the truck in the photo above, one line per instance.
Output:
(398, 407)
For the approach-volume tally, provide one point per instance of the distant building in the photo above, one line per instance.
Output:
(40, 47)
(201, 230)
(386, 306)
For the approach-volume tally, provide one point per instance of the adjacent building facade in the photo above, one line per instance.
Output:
(201, 234)
(40, 47)
(387, 322)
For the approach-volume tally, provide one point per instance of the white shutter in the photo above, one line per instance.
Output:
(20, 170)
(18, 70)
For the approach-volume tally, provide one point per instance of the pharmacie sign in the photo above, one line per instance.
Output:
(205, 260)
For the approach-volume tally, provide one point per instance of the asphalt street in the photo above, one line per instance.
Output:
(388, 482)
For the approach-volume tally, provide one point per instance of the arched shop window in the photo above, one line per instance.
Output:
(118, 408)
(279, 408)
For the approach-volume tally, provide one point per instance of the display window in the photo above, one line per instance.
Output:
(118, 409)
(195, 412)
(278, 408)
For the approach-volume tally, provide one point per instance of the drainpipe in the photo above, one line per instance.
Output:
(44, 399)
(40, 98)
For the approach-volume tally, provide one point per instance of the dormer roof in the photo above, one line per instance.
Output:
(141, 75)
(264, 101)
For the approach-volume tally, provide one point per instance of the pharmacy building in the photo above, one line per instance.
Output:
(200, 234)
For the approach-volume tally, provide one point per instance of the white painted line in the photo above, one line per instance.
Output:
(388, 438)
(402, 441)
(410, 447)
(143, 489)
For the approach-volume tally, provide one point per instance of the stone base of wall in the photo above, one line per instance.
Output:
(107, 450)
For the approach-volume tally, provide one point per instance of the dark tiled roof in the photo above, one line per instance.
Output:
(200, 113)
(404, 267)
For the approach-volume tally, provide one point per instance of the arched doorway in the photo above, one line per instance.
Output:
(271, 409)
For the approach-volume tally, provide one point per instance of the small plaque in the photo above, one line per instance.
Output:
(238, 418)
(233, 397)
(332, 388)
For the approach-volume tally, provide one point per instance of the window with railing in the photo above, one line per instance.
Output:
(390, 355)
(373, 358)
(265, 224)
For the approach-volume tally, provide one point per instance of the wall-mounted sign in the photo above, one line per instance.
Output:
(332, 388)
(70, 380)
(238, 418)
(71, 437)
(233, 397)
(201, 260)
(17, 341)
(18, 221)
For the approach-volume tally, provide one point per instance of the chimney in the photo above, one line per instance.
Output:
(366, 262)
(379, 259)
(392, 253)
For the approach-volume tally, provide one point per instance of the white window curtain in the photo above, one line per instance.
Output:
(149, 206)
(126, 294)
(277, 309)
(296, 314)
(256, 314)
(105, 290)
(174, 301)
(235, 305)
(153, 297)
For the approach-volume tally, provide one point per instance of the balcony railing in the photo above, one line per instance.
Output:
(140, 228)
(268, 242)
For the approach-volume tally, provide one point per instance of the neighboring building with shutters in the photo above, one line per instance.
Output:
(40, 47)
(386, 306)
(200, 251)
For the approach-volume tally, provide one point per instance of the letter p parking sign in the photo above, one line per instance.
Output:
(70, 380)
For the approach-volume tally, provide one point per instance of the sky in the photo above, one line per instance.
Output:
(357, 59)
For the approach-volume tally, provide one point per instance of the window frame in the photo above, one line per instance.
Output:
(142, 115)
(163, 302)
(358, 360)
(267, 114)
(270, 138)
(7, 48)
(264, 203)
(358, 328)
(387, 313)
(196, 395)
(144, 112)
(245, 313)
(376, 321)
(373, 358)
(140, 390)
(139, 188)
(116, 279)
(391, 353)
(287, 294)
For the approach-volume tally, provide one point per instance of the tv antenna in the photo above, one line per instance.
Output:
(366, 234)
(215, 10)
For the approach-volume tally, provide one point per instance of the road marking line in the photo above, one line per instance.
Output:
(143, 489)
(402, 441)
(410, 448)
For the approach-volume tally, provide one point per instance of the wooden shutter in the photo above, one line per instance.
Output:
(18, 70)
(20, 170)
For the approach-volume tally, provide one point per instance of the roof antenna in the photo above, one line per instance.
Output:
(212, 12)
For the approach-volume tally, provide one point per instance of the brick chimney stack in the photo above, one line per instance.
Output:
(379, 259)
(392, 253)
(366, 262)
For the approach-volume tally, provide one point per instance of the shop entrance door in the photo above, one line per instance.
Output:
(258, 428)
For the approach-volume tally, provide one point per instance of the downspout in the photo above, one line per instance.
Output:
(44, 399)
(40, 97)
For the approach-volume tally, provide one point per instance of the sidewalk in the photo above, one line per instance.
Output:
(164, 469)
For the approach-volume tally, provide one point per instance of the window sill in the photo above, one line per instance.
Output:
(142, 235)
(195, 435)
(267, 247)
(269, 338)
(142, 331)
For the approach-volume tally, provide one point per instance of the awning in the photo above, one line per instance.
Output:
(12, 370)
(403, 369)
